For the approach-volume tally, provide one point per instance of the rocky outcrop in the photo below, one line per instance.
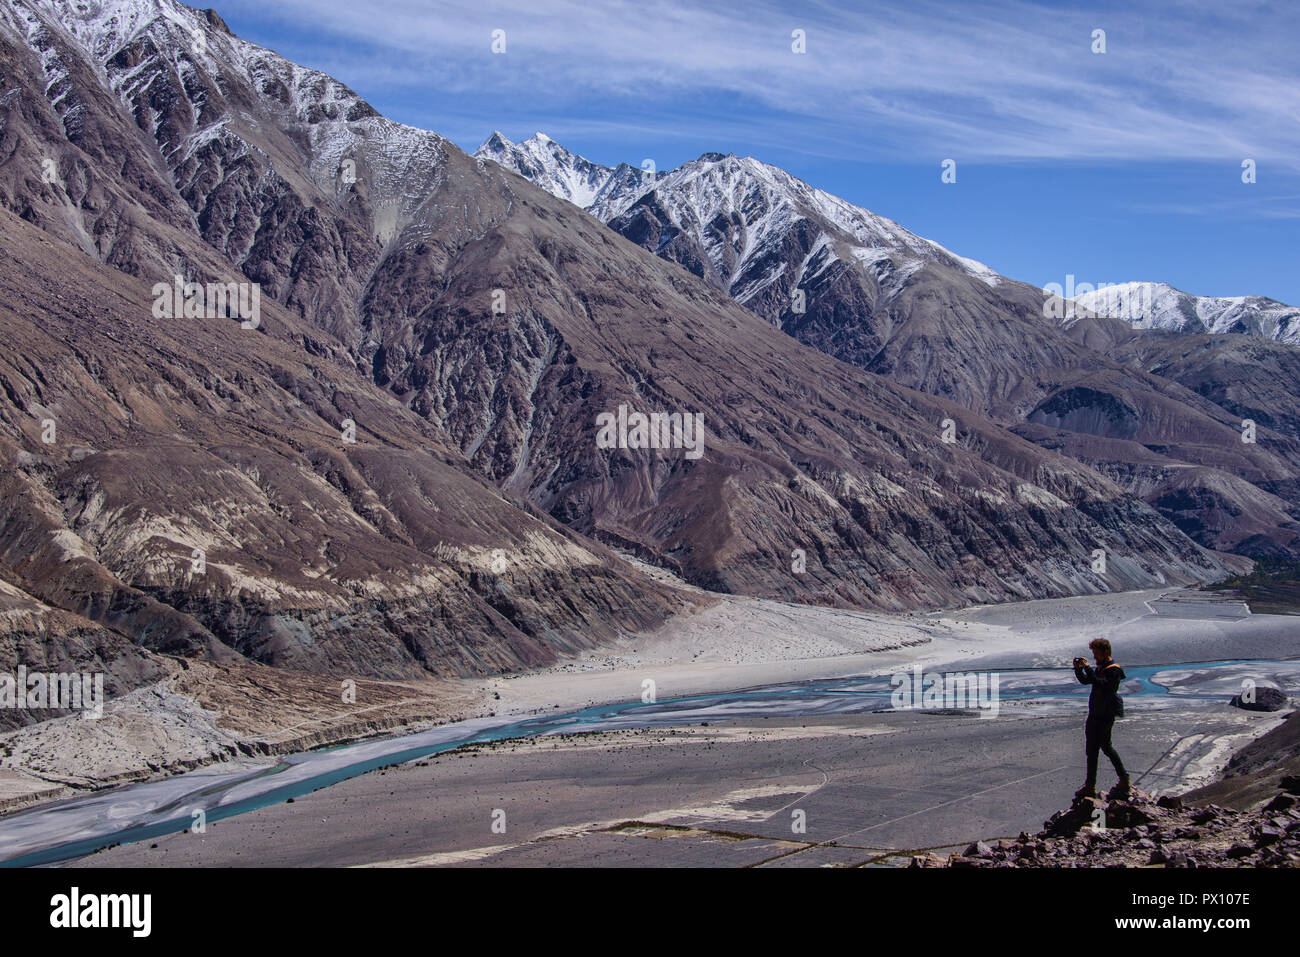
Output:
(203, 713)
(1139, 831)
(1261, 699)
(1250, 817)
(45, 639)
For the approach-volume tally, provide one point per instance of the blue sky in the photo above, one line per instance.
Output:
(1109, 166)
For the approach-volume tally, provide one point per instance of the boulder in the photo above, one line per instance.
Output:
(1282, 802)
(1265, 699)
(1127, 814)
(1069, 822)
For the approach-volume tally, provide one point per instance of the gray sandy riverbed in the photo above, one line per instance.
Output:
(871, 787)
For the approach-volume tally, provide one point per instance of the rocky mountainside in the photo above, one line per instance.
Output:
(198, 495)
(468, 330)
(859, 287)
(749, 228)
(1232, 503)
(562, 173)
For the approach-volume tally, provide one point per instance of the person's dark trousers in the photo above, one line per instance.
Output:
(1097, 738)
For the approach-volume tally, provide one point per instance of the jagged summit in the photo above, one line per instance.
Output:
(548, 164)
(739, 212)
(1158, 305)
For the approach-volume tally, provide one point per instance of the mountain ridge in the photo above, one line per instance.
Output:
(870, 293)
(1145, 305)
(1158, 305)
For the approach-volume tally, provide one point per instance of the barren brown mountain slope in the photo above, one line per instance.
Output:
(383, 557)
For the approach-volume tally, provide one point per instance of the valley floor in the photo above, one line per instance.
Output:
(746, 642)
(873, 787)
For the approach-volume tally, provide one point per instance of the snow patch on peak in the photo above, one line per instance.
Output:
(760, 204)
(205, 56)
(552, 167)
(1158, 305)
(497, 141)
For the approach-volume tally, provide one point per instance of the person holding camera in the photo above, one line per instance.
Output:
(1104, 706)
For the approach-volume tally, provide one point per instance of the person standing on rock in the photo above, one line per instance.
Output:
(1104, 706)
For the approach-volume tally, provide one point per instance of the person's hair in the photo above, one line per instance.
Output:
(1100, 644)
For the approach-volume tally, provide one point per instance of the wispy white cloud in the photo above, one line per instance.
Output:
(1268, 207)
(1005, 80)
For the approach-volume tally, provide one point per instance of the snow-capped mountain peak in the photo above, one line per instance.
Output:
(136, 47)
(1158, 305)
(548, 164)
(752, 229)
(760, 233)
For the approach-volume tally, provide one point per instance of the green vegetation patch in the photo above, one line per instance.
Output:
(1273, 588)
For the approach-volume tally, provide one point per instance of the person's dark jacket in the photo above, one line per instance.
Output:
(1104, 700)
